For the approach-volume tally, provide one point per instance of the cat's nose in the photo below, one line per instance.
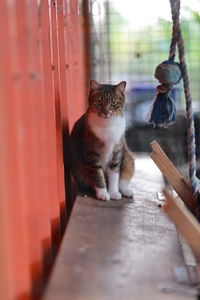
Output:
(108, 114)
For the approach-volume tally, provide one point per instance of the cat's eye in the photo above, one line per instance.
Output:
(98, 103)
(115, 102)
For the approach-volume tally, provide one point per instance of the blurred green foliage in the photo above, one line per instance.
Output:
(135, 52)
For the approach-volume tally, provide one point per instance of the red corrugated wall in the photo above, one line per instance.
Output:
(42, 93)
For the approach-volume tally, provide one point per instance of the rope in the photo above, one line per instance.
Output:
(162, 112)
(178, 39)
(175, 11)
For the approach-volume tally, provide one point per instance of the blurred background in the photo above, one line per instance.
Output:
(128, 40)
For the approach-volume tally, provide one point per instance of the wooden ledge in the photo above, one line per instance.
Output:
(118, 249)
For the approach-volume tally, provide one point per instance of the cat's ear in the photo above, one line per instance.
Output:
(121, 86)
(94, 85)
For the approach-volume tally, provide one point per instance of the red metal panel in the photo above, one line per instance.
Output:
(31, 146)
(42, 93)
(50, 120)
(62, 60)
(30, 135)
(14, 271)
(57, 96)
(75, 61)
(42, 212)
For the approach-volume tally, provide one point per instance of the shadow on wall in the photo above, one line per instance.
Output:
(70, 185)
(173, 140)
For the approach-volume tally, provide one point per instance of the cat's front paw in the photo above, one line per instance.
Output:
(127, 193)
(115, 195)
(102, 194)
(125, 190)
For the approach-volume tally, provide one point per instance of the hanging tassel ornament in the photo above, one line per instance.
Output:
(163, 110)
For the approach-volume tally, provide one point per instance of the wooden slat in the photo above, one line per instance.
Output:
(185, 222)
(175, 179)
(190, 261)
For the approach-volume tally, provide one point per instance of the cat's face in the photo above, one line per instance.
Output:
(107, 100)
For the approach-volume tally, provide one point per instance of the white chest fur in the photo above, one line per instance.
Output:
(109, 131)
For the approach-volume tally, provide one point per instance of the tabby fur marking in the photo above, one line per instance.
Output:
(99, 156)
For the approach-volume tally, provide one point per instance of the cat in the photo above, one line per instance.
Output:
(99, 156)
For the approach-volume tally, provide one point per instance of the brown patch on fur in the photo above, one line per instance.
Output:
(127, 165)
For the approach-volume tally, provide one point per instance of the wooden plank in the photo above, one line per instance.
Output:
(185, 222)
(175, 179)
(190, 261)
(118, 249)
